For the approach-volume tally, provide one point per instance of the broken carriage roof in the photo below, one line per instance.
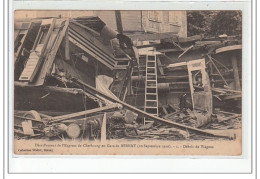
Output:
(84, 32)
(92, 22)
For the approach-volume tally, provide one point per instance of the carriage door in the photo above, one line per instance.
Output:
(199, 85)
(36, 54)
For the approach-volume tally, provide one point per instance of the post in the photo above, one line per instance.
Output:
(104, 128)
(119, 22)
(119, 26)
(67, 46)
(235, 72)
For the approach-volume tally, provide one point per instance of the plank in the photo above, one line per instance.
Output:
(228, 48)
(160, 67)
(156, 36)
(87, 112)
(55, 45)
(27, 127)
(103, 128)
(145, 114)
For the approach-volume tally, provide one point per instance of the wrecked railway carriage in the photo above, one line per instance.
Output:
(78, 78)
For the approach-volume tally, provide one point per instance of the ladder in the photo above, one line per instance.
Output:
(151, 91)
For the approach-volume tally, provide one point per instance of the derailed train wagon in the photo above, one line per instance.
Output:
(88, 81)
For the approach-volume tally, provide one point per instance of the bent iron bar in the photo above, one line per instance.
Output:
(94, 91)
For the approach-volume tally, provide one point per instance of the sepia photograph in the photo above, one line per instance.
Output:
(135, 82)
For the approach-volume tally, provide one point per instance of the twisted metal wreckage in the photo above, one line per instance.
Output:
(87, 81)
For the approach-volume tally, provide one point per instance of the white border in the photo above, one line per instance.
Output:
(140, 164)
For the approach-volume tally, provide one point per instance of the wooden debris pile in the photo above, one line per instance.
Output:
(122, 124)
(119, 129)
(82, 50)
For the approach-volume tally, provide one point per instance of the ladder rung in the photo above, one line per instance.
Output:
(151, 100)
(151, 87)
(151, 107)
(151, 104)
(151, 76)
(151, 80)
(154, 112)
(151, 93)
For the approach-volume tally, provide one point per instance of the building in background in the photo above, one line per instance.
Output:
(133, 21)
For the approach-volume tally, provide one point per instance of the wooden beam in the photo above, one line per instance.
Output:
(74, 91)
(119, 22)
(171, 114)
(228, 48)
(104, 128)
(164, 110)
(91, 45)
(185, 51)
(156, 36)
(143, 113)
(160, 66)
(235, 72)
(119, 27)
(85, 27)
(87, 112)
(67, 46)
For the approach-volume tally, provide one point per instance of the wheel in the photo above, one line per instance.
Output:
(73, 131)
(36, 122)
(33, 115)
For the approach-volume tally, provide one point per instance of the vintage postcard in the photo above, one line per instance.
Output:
(127, 82)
